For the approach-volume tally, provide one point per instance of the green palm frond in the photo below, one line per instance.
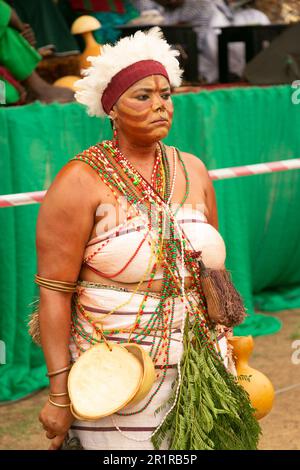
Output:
(212, 411)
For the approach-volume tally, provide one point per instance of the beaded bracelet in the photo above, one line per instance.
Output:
(59, 405)
(59, 371)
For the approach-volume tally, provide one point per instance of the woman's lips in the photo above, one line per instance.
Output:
(160, 121)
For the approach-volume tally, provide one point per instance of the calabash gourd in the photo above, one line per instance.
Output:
(257, 384)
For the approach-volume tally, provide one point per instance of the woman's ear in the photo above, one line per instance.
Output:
(113, 114)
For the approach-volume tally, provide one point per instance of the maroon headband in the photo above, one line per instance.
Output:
(127, 77)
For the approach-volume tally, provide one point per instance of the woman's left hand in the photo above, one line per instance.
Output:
(56, 422)
(56, 442)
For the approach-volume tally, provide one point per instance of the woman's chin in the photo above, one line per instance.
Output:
(158, 134)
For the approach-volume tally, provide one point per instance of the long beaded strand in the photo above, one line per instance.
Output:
(137, 181)
(132, 170)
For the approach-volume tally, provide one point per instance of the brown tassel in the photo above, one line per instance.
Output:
(224, 303)
(34, 326)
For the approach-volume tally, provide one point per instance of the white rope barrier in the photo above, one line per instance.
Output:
(36, 197)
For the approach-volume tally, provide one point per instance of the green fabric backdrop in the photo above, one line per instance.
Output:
(258, 215)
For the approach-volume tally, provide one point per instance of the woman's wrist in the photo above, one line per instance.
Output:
(61, 394)
(63, 400)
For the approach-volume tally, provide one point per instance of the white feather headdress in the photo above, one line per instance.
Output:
(149, 45)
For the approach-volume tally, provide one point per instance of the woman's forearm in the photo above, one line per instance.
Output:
(55, 322)
(15, 21)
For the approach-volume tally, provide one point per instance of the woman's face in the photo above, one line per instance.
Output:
(144, 112)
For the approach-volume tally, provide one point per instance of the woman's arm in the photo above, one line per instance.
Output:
(15, 21)
(211, 204)
(203, 180)
(211, 201)
(24, 28)
(65, 221)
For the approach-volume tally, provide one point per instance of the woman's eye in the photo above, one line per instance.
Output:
(166, 96)
(142, 97)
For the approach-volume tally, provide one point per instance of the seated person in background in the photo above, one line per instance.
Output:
(50, 28)
(206, 16)
(229, 14)
(20, 59)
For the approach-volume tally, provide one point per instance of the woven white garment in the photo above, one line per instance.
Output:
(102, 434)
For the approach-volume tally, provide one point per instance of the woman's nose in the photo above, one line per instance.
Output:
(158, 102)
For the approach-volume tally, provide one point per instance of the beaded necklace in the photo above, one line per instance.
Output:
(155, 176)
(121, 177)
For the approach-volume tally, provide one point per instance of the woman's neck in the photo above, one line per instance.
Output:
(138, 154)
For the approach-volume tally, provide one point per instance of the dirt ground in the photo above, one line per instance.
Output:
(20, 428)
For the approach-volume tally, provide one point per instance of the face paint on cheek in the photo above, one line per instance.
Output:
(135, 105)
(133, 113)
(132, 123)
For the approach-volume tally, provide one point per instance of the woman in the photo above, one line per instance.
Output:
(123, 225)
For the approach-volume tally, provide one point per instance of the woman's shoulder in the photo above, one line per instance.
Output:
(192, 161)
(80, 166)
(77, 178)
(76, 172)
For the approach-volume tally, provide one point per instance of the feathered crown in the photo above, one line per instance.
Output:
(142, 46)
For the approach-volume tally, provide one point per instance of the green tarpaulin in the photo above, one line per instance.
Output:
(258, 215)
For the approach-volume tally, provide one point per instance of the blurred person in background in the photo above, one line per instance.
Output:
(18, 62)
(207, 17)
(51, 31)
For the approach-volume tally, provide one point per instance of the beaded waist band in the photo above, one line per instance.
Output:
(98, 285)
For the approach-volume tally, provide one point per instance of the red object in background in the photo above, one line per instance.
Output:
(6, 75)
(115, 6)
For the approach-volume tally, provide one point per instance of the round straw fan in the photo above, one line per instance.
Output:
(103, 380)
